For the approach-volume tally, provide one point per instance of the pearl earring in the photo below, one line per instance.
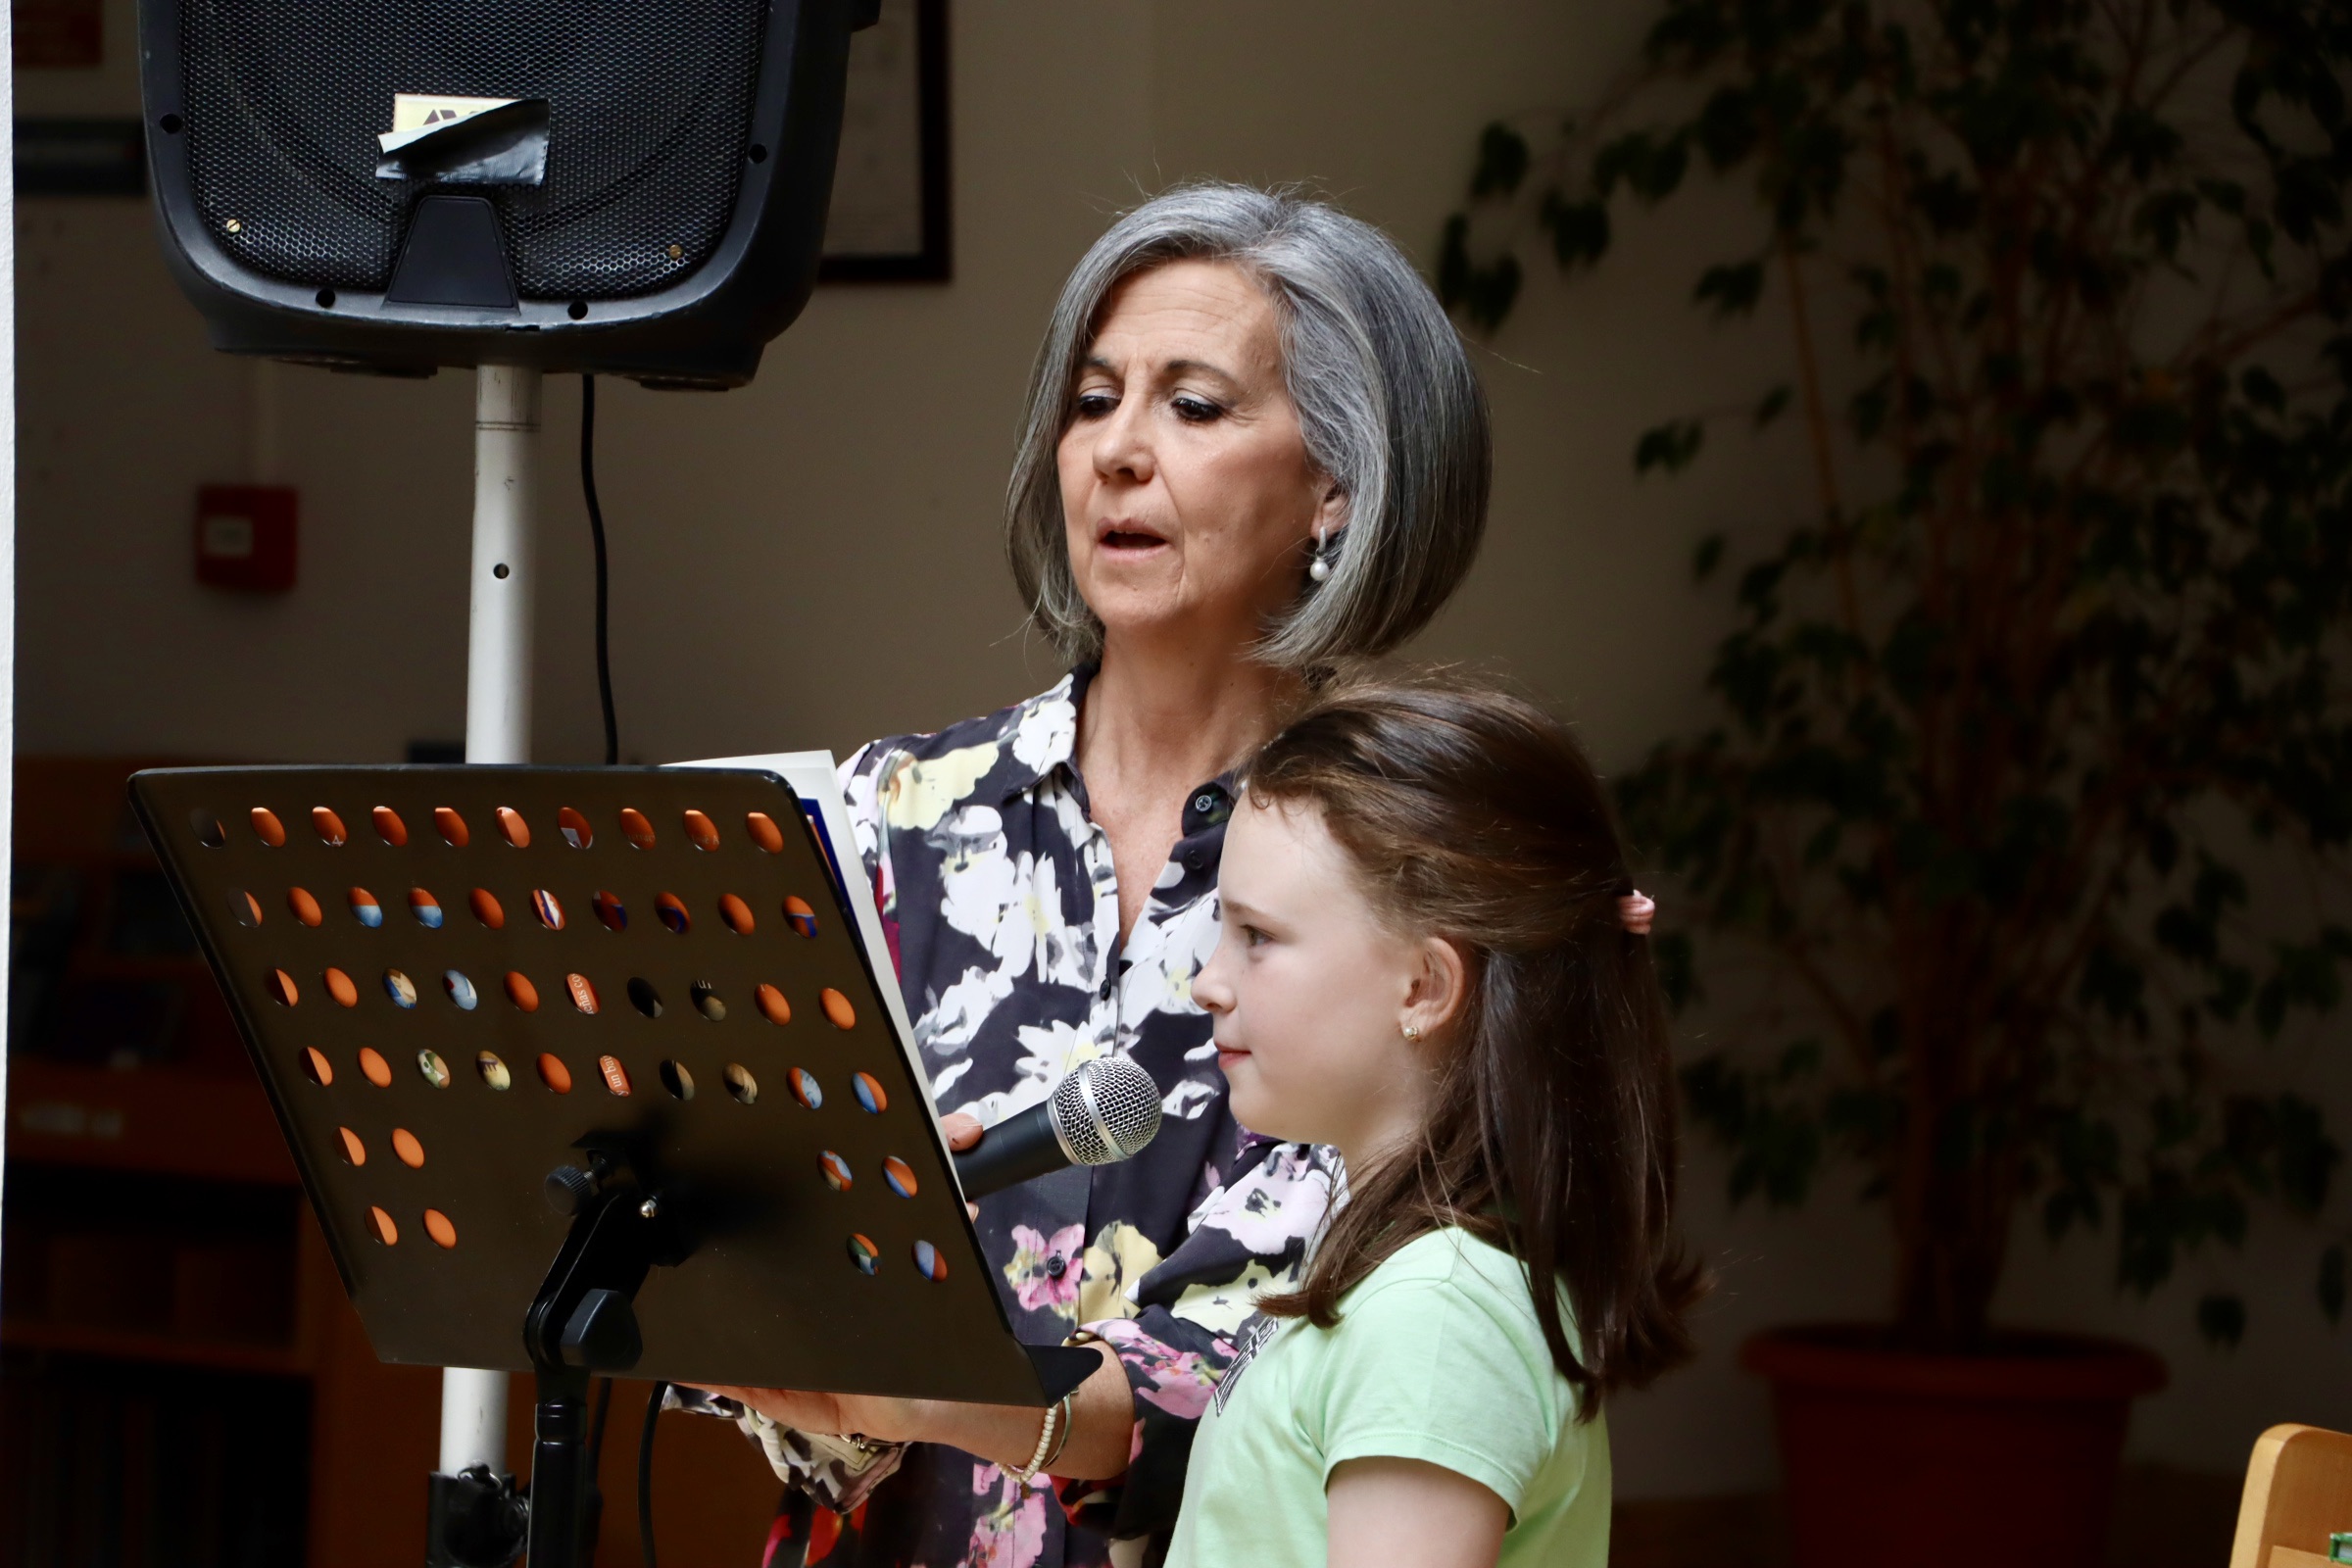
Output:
(1412, 1033)
(1320, 568)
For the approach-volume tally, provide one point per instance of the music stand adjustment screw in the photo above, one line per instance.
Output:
(568, 1189)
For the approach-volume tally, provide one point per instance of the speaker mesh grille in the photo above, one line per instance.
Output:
(649, 116)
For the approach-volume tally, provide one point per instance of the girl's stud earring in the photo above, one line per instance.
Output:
(1412, 1033)
(1319, 569)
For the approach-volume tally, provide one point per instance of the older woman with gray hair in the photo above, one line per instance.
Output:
(1254, 451)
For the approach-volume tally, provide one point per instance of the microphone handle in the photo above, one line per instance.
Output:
(1018, 1149)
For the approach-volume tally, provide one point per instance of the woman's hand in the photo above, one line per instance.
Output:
(1102, 1422)
(964, 1131)
(873, 1416)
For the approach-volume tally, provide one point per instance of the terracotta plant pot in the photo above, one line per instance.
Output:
(1895, 1457)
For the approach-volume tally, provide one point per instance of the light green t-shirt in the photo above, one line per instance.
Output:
(1437, 1356)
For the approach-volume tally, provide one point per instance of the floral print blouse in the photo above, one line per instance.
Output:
(1002, 907)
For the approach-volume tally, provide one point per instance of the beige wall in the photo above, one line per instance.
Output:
(813, 560)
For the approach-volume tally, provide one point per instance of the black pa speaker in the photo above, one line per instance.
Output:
(635, 187)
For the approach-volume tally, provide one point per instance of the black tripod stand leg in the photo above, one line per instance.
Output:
(559, 1479)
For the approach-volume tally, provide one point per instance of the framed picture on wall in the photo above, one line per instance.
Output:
(889, 219)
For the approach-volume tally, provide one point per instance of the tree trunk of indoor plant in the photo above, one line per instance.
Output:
(1900, 1459)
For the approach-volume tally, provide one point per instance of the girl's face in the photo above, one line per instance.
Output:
(1311, 991)
(1188, 498)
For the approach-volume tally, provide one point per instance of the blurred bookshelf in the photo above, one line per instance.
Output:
(181, 1379)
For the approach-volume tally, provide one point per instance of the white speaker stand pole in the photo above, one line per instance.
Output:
(498, 729)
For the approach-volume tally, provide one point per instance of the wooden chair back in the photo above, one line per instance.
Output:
(2298, 1492)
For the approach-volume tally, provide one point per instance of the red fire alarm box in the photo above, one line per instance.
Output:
(245, 536)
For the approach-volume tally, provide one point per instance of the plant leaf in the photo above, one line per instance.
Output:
(2222, 1320)
(1706, 558)
(1732, 290)
(1670, 446)
(1503, 160)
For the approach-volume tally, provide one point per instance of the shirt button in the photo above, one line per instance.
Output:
(1193, 860)
(1057, 1266)
(1108, 986)
(1204, 803)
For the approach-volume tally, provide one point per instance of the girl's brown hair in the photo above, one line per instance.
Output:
(1473, 817)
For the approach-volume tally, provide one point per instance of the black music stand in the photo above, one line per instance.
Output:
(584, 1072)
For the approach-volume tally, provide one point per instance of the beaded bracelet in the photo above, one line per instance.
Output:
(1062, 1442)
(1045, 1441)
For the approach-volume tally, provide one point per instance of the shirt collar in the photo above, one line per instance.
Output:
(1044, 740)
(1041, 738)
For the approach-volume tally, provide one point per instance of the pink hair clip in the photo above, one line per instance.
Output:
(1636, 910)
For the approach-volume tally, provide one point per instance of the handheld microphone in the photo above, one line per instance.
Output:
(1104, 1112)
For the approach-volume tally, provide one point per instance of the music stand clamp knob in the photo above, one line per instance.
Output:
(569, 1190)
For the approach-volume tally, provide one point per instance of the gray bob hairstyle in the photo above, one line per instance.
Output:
(1391, 410)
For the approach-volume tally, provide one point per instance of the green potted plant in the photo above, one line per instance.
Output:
(2047, 680)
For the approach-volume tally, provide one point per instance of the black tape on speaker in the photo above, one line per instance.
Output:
(635, 188)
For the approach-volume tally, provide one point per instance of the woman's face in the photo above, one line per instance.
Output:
(1186, 488)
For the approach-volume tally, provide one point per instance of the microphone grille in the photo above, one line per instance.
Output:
(1106, 1110)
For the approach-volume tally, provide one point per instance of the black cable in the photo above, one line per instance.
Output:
(596, 531)
(645, 1474)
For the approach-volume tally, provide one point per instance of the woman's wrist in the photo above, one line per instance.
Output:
(1004, 1434)
(1092, 1442)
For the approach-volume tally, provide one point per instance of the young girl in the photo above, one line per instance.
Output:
(1433, 959)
